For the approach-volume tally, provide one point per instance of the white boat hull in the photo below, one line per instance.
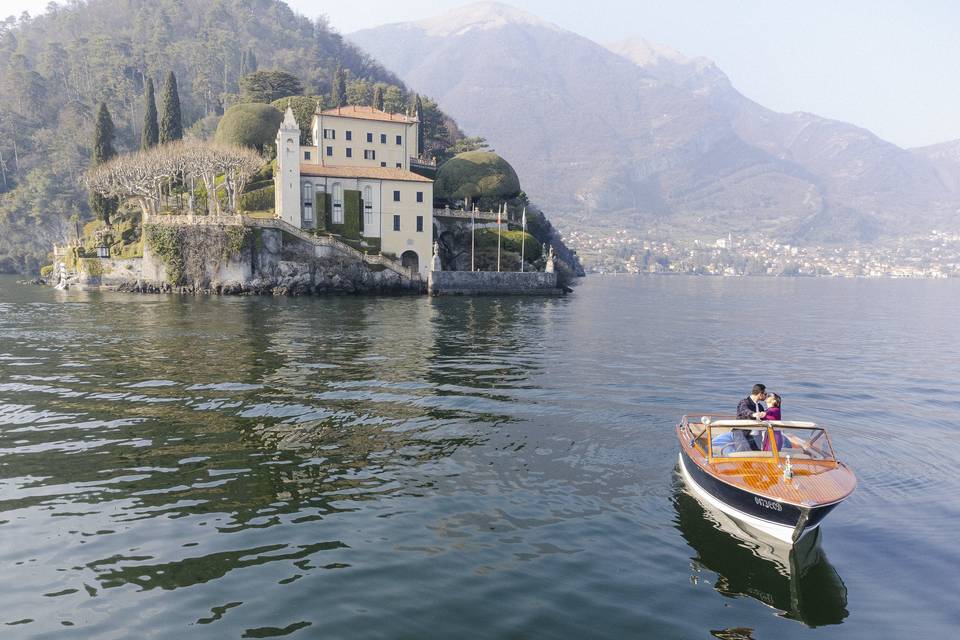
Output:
(779, 532)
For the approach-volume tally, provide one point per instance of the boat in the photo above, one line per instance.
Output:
(796, 580)
(779, 478)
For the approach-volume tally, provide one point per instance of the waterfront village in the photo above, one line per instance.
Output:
(935, 255)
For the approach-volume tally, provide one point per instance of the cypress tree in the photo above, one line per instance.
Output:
(378, 98)
(171, 127)
(338, 89)
(418, 112)
(102, 151)
(151, 132)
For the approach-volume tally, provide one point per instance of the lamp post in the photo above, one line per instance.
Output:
(523, 237)
(473, 241)
(499, 216)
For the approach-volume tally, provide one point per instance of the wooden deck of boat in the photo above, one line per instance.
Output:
(813, 481)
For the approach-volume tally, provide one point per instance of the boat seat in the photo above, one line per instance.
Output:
(746, 454)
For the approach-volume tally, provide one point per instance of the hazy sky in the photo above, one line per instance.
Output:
(889, 66)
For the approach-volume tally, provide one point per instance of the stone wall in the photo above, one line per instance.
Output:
(109, 272)
(474, 283)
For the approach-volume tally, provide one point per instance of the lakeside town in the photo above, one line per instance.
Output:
(934, 255)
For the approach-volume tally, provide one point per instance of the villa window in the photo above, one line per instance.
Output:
(337, 203)
(308, 202)
(369, 154)
(396, 196)
(349, 135)
(383, 138)
(399, 139)
(396, 223)
(329, 134)
(368, 208)
(420, 223)
(419, 196)
(329, 151)
(369, 137)
(306, 155)
(383, 164)
(349, 152)
(399, 165)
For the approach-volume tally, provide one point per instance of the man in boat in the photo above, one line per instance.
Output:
(752, 404)
(749, 409)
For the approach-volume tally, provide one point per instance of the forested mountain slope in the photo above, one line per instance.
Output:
(55, 68)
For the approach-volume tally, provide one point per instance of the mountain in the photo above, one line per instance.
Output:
(636, 135)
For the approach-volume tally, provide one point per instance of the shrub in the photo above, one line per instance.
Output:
(251, 125)
(476, 174)
(259, 200)
(46, 271)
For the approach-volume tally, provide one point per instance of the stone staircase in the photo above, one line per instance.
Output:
(332, 243)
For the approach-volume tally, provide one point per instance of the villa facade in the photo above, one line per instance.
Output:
(355, 181)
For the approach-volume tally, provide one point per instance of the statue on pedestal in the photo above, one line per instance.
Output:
(550, 261)
(435, 264)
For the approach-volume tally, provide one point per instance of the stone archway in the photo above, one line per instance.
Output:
(411, 260)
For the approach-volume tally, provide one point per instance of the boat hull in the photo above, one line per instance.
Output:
(785, 522)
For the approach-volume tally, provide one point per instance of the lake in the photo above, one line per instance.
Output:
(407, 467)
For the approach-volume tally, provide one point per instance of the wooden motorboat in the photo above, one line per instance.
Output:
(780, 478)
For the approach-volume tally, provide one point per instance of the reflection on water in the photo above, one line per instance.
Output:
(414, 467)
(799, 581)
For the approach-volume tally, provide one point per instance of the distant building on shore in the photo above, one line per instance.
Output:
(355, 181)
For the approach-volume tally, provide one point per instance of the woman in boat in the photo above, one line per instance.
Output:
(773, 408)
(773, 413)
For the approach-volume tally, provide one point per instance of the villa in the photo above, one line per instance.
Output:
(355, 181)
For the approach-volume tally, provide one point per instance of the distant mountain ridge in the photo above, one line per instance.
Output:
(637, 135)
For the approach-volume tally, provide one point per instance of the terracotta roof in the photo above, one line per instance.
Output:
(367, 113)
(377, 173)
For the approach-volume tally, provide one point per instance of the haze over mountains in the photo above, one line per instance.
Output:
(638, 136)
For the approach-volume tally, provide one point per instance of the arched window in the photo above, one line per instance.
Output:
(337, 203)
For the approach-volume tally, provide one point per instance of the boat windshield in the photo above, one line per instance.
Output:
(802, 443)
(739, 442)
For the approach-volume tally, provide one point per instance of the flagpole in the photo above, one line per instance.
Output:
(523, 237)
(499, 215)
(473, 242)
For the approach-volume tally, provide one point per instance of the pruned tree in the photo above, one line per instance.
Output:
(144, 175)
(378, 97)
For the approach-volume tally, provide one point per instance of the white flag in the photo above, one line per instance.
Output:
(523, 220)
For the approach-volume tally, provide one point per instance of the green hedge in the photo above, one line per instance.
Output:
(258, 184)
(259, 200)
(510, 241)
(351, 214)
(323, 211)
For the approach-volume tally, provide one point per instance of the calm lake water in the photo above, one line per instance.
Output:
(350, 467)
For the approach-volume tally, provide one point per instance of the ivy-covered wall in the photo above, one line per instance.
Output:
(352, 206)
(323, 211)
(194, 254)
